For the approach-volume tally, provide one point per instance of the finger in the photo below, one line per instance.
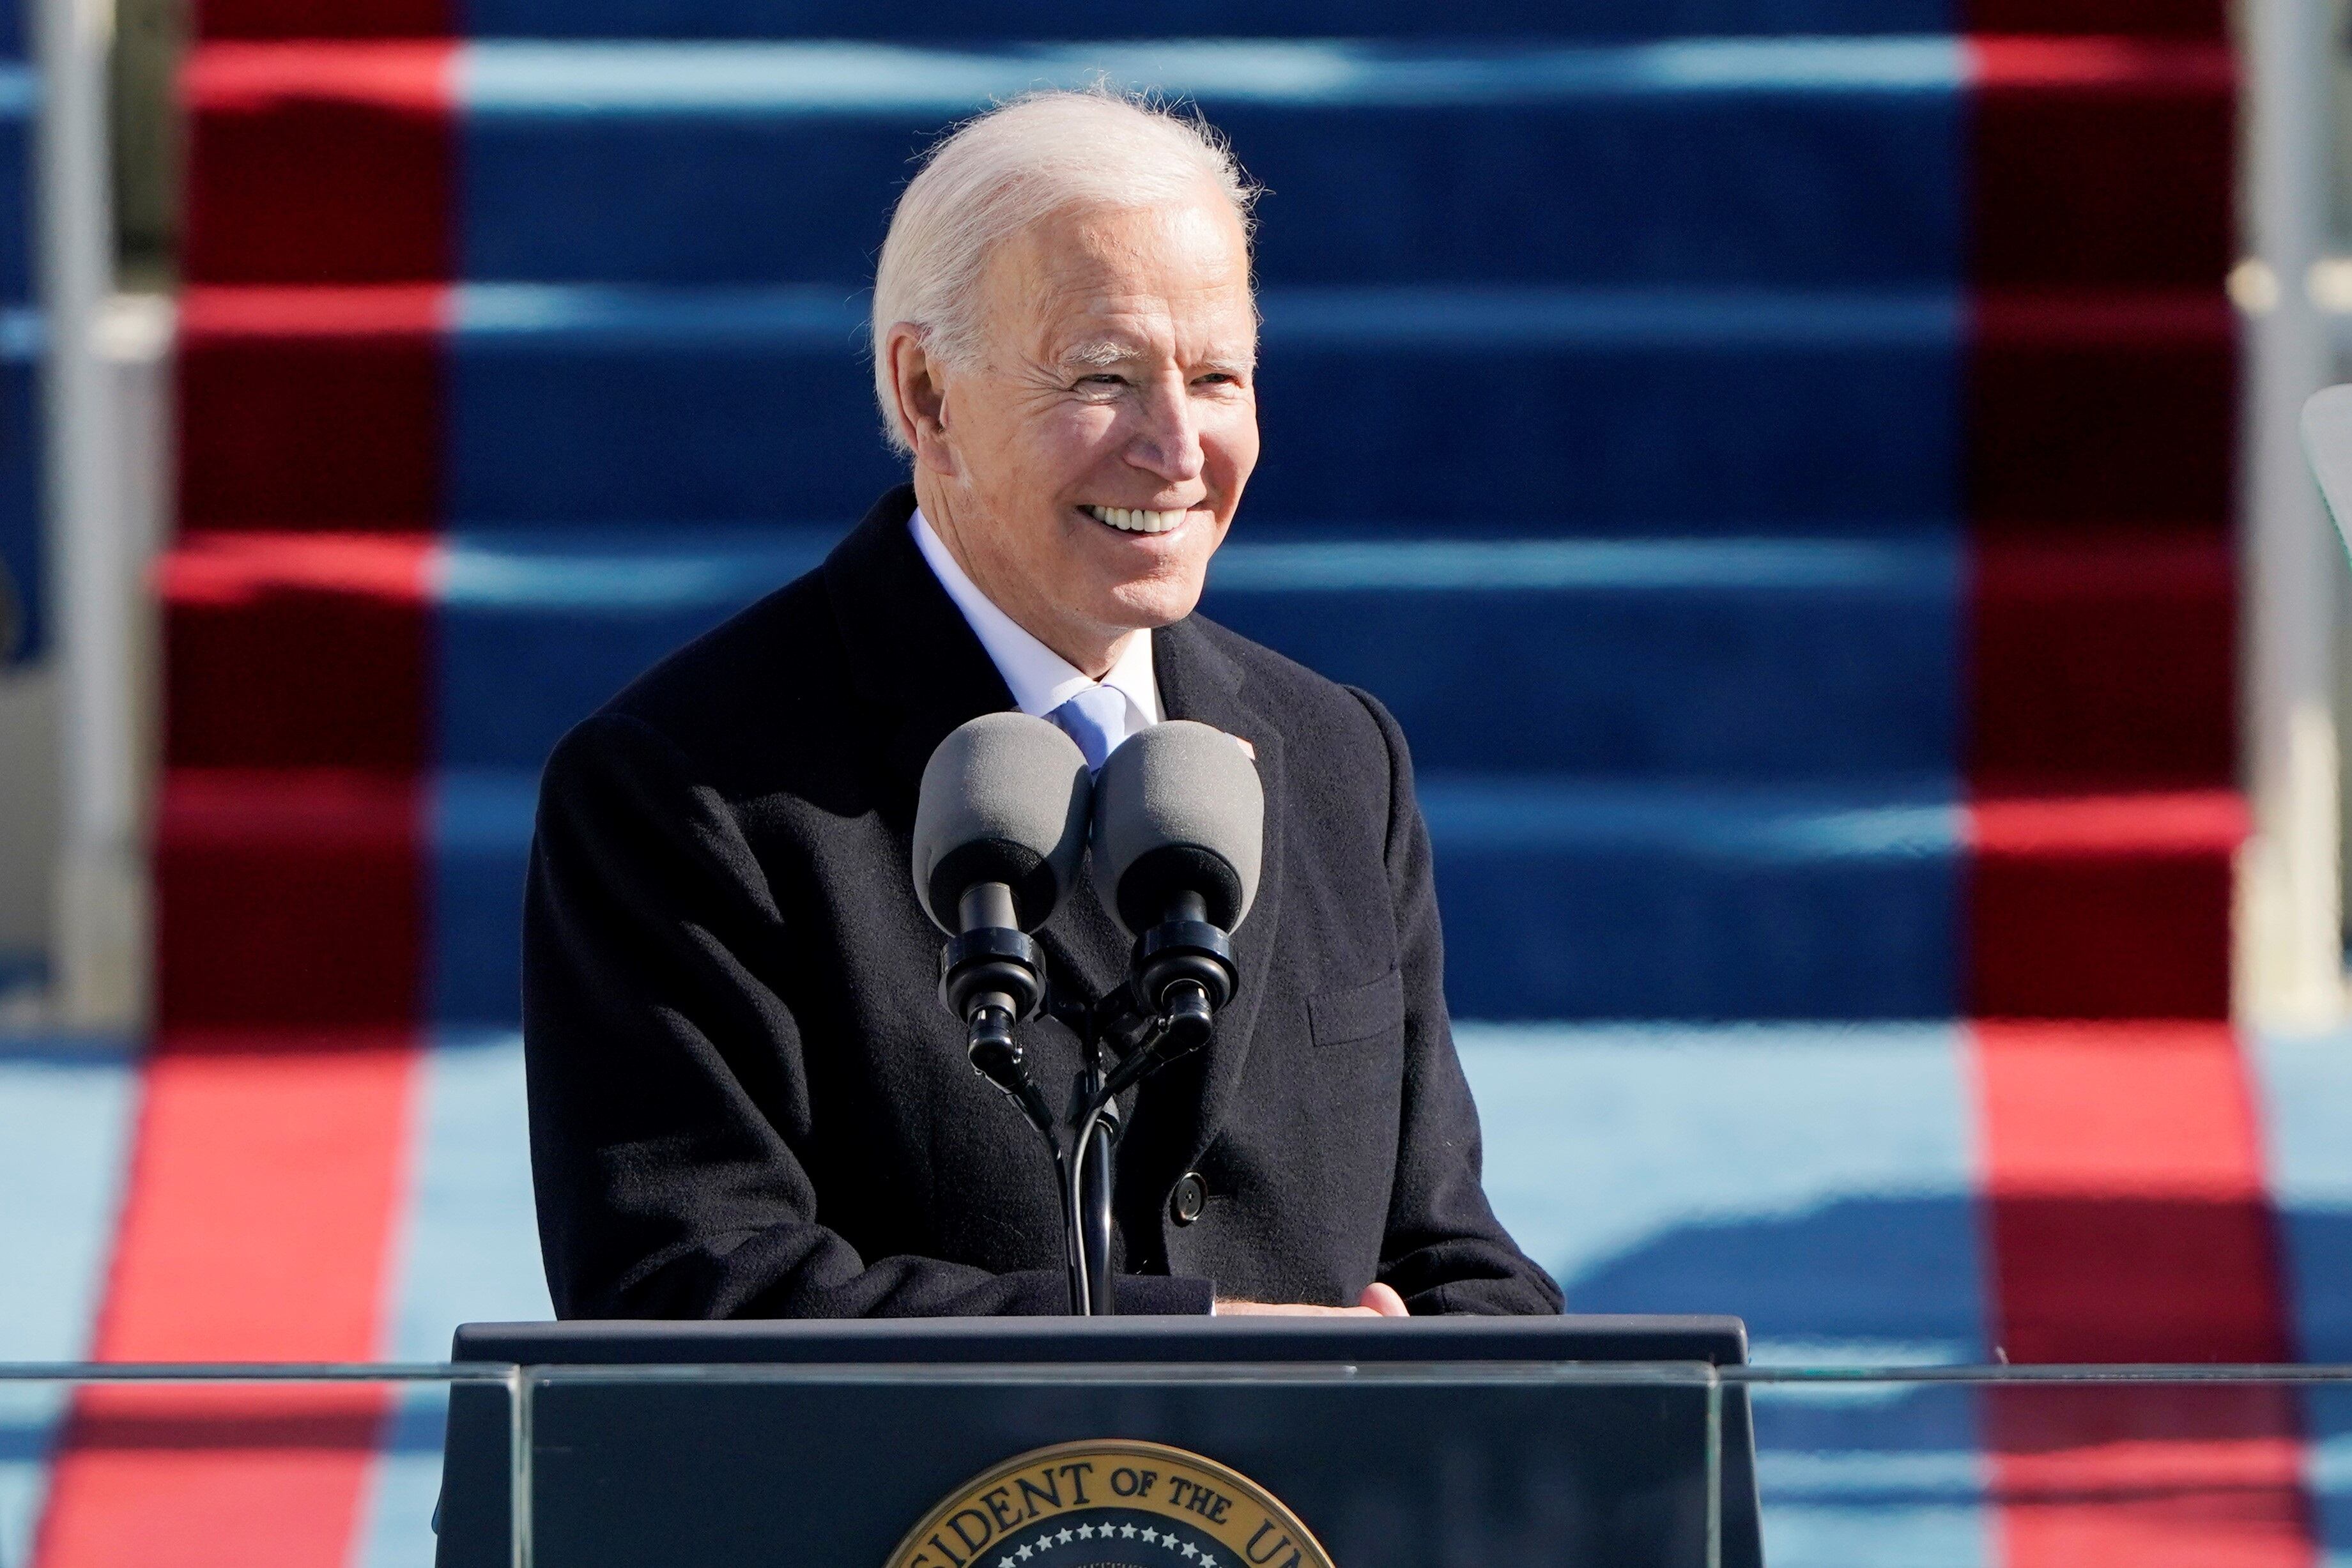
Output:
(1383, 1302)
(1276, 1310)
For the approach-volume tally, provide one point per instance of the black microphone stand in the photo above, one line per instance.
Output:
(1095, 1123)
(1181, 972)
(1094, 1127)
(993, 976)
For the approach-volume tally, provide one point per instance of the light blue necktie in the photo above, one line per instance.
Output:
(1097, 719)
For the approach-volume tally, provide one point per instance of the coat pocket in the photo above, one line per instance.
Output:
(1358, 1012)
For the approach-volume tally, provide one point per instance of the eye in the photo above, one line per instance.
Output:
(1104, 378)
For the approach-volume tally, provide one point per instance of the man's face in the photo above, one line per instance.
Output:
(1090, 464)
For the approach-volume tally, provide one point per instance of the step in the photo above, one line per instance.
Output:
(1573, 899)
(1789, 659)
(926, 19)
(1578, 900)
(2018, 665)
(312, 897)
(309, 899)
(1831, 162)
(2102, 905)
(291, 898)
(1747, 657)
(1567, 898)
(298, 651)
(2102, 657)
(1629, 412)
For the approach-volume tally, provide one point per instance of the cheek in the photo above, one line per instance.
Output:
(1012, 449)
(1229, 444)
(1069, 443)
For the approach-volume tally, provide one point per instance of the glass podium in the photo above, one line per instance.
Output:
(946, 1465)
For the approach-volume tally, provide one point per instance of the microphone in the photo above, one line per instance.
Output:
(1000, 835)
(1179, 839)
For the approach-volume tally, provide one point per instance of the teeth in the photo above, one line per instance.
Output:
(1132, 519)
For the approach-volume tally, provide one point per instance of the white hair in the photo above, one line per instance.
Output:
(1020, 162)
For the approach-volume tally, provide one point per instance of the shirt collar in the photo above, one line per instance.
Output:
(1040, 679)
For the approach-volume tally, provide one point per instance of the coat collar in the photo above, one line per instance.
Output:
(921, 672)
(913, 656)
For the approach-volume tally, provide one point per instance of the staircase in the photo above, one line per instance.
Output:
(1781, 484)
(1774, 457)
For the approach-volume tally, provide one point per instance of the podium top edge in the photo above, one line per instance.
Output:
(1717, 1341)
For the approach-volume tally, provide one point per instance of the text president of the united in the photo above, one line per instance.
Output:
(746, 1100)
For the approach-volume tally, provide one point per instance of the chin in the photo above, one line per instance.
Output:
(1151, 605)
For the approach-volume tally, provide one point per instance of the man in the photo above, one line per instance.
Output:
(746, 1099)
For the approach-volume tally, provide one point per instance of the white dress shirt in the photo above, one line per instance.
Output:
(1040, 678)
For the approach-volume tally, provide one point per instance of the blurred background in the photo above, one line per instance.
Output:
(1852, 439)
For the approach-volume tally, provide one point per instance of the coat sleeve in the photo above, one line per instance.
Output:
(654, 1037)
(1445, 1251)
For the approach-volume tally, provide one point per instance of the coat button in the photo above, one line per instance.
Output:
(1190, 1197)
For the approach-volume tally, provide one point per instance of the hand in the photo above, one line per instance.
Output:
(1377, 1301)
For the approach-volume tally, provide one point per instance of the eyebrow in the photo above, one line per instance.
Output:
(1100, 354)
(1105, 353)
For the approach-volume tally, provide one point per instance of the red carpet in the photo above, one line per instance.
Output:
(2129, 1214)
(321, 161)
(311, 407)
(300, 1138)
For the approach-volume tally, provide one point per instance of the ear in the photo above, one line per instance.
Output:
(921, 398)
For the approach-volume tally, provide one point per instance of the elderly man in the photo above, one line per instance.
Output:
(746, 1099)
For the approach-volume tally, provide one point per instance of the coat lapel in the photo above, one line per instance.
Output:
(923, 672)
(1198, 681)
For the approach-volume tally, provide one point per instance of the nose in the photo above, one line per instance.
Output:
(1168, 444)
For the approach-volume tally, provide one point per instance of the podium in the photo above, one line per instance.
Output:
(1105, 1443)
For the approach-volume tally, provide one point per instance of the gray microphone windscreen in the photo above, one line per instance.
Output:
(1179, 808)
(1005, 799)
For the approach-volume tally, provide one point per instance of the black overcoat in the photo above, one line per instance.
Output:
(747, 1100)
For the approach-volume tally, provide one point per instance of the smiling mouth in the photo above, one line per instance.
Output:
(1134, 519)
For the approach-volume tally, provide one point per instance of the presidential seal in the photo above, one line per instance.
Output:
(1110, 1505)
